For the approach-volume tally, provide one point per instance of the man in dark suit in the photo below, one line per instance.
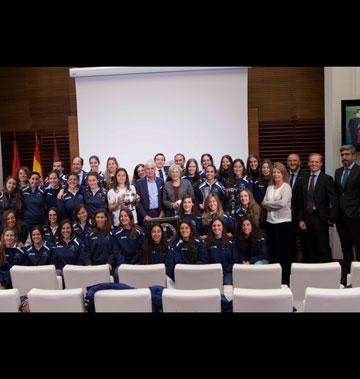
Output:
(161, 171)
(347, 184)
(296, 174)
(317, 207)
(149, 188)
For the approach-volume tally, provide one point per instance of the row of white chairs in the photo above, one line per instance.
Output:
(325, 275)
(205, 300)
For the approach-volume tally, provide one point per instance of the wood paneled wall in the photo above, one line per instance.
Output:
(44, 99)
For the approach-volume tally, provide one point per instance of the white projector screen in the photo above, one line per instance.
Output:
(133, 116)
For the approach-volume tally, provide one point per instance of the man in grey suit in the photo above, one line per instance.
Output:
(347, 184)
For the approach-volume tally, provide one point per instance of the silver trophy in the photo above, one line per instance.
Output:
(129, 198)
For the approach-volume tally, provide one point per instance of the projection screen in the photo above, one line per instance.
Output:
(134, 113)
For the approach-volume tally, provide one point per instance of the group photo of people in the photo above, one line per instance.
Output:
(249, 211)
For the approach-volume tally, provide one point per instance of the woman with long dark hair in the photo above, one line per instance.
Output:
(156, 248)
(139, 172)
(262, 183)
(11, 197)
(122, 195)
(52, 189)
(98, 245)
(251, 243)
(225, 170)
(82, 225)
(188, 249)
(253, 167)
(221, 248)
(95, 196)
(188, 211)
(191, 173)
(205, 160)
(128, 241)
(11, 220)
(248, 207)
(51, 227)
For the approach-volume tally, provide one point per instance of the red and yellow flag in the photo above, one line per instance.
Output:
(16, 160)
(37, 166)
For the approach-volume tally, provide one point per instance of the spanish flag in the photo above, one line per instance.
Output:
(37, 166)
(16, 160)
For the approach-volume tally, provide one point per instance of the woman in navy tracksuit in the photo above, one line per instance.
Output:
(34, 200)
(210, 185)
(191, 173)
(69, 198)
(51, 227)
(11, 220)
(128, 241)
(68, 249)
(262, 183)
(187, 249)
(225, 170)
(11, 197)
(221, 248)
(10, 255)
(156, 248)
(98, 245)
(251, 243)
(239, 178)
(52, 189)
(95, 196)
(94, 163)
(82, 225)
(213, 209)
(188, 212)
(205, 160)
(38, 253)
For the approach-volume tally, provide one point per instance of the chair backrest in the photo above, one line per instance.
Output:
(25, 278)
(142, 276)
(332, 300)
(70, 300)
(204, 300)
(257, 276)
(262, 300)
(318, 275)
(137, 300)
(9, 300)
(355, 274)
(84, 276)
(197, 277)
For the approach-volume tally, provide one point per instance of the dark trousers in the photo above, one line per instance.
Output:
(315, 242)
(294, 234)
(279, 247)
(349, 233)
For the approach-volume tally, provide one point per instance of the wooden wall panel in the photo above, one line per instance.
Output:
(253, 131)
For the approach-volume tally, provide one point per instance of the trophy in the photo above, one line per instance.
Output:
(169, 225)
(129, 198)
(232, 194)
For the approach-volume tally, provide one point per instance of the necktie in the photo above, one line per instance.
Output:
(161, 174)
(292, 179)
(345, 177)
(310, 195)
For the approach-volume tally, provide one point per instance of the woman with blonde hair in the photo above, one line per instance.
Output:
(277, 202)
(111, 166)
(174, 190)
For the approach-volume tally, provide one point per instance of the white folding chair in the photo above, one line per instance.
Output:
(332, 300)
(142, 276)
(266, 276)
(85, 276)
(24, 278)
(9, 300)
(68, 300)
(354, 277)
(318, 275)
(204, 300)
(262, 300)
(197, 277)
(134, 300)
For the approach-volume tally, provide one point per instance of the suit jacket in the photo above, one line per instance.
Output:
(142, 190)
(168, 194)
(349, 197)
(296, 187)
(325, 199)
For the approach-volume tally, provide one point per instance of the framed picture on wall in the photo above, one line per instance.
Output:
(350, 123)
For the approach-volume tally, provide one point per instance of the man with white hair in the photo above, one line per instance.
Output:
(149, 188)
